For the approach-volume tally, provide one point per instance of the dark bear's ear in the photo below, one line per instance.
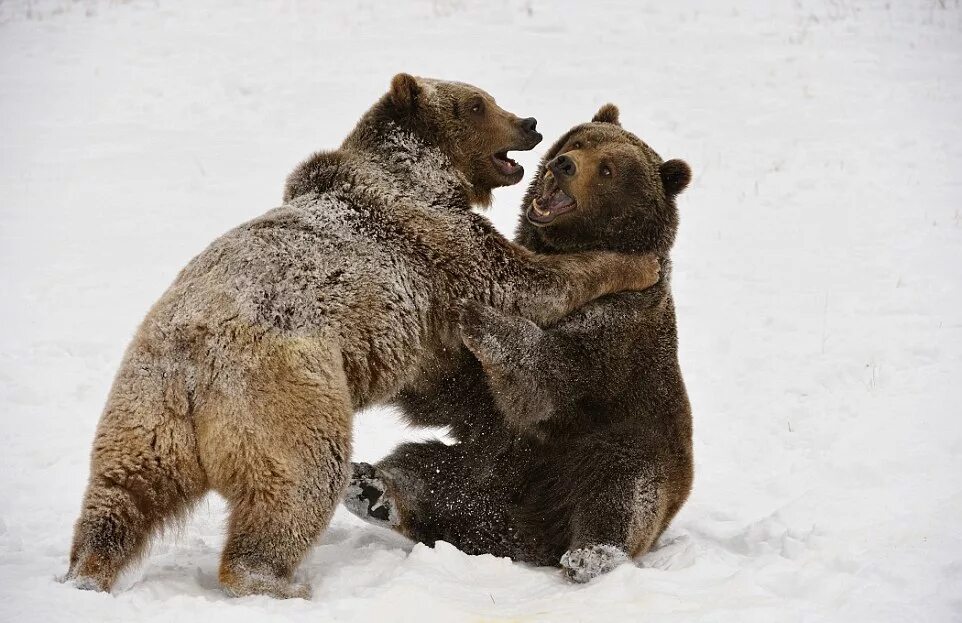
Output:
(607, 114)
(404, 91)
(675, 175)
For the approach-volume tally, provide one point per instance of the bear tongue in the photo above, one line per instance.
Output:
(557, 199)
(506, 165)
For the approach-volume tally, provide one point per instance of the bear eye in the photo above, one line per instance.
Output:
(577, 145)
(477, 106)
(605, 171)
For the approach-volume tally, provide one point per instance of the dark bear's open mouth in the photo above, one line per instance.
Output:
(552, 203)
(505, 165)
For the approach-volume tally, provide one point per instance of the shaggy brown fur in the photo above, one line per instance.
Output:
(574, 440)
(244, 376)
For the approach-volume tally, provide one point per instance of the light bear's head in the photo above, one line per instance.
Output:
(466, 123)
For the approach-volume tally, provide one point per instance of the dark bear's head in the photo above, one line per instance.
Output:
(600, 186)
(467, 125)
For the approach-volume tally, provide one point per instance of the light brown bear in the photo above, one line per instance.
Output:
(243, 377)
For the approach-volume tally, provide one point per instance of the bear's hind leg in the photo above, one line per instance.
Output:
(614, 522)
(145, 471)
(278, 448)
(406, 491)
(436, 492)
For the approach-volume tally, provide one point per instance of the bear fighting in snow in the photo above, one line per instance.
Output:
(574, 437)
(244, 376)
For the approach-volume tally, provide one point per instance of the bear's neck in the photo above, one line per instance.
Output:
(406, 149)
(649, 237)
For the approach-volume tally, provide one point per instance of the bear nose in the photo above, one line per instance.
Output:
(529, 125)
(563, 165)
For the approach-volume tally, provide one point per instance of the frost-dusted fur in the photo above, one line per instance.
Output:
(574, 440)
(243, 377)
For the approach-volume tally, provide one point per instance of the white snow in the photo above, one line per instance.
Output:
(818, 276)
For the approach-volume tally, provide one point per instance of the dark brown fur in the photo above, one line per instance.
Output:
(574, 440)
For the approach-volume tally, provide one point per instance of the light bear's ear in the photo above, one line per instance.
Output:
(404, 91)
(607, 114)
(675, 176)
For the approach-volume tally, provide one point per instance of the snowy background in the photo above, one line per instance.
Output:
(818, 275)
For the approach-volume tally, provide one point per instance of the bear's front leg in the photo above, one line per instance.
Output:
(497, 339)
(512, 352)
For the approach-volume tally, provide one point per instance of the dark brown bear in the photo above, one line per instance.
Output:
(244, 376)
(574, 440)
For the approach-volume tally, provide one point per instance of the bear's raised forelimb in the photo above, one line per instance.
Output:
(552, 286)
(522, 363)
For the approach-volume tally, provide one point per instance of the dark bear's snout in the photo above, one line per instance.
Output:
(563, 166)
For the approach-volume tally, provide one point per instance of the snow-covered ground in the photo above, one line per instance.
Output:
(818, 275)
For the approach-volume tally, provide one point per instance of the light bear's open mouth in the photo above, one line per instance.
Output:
(505, 165)
(552, 203)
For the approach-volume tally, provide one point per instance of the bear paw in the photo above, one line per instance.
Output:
(585, 563)
(240, 580)
(472, 322)
(368, 499)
